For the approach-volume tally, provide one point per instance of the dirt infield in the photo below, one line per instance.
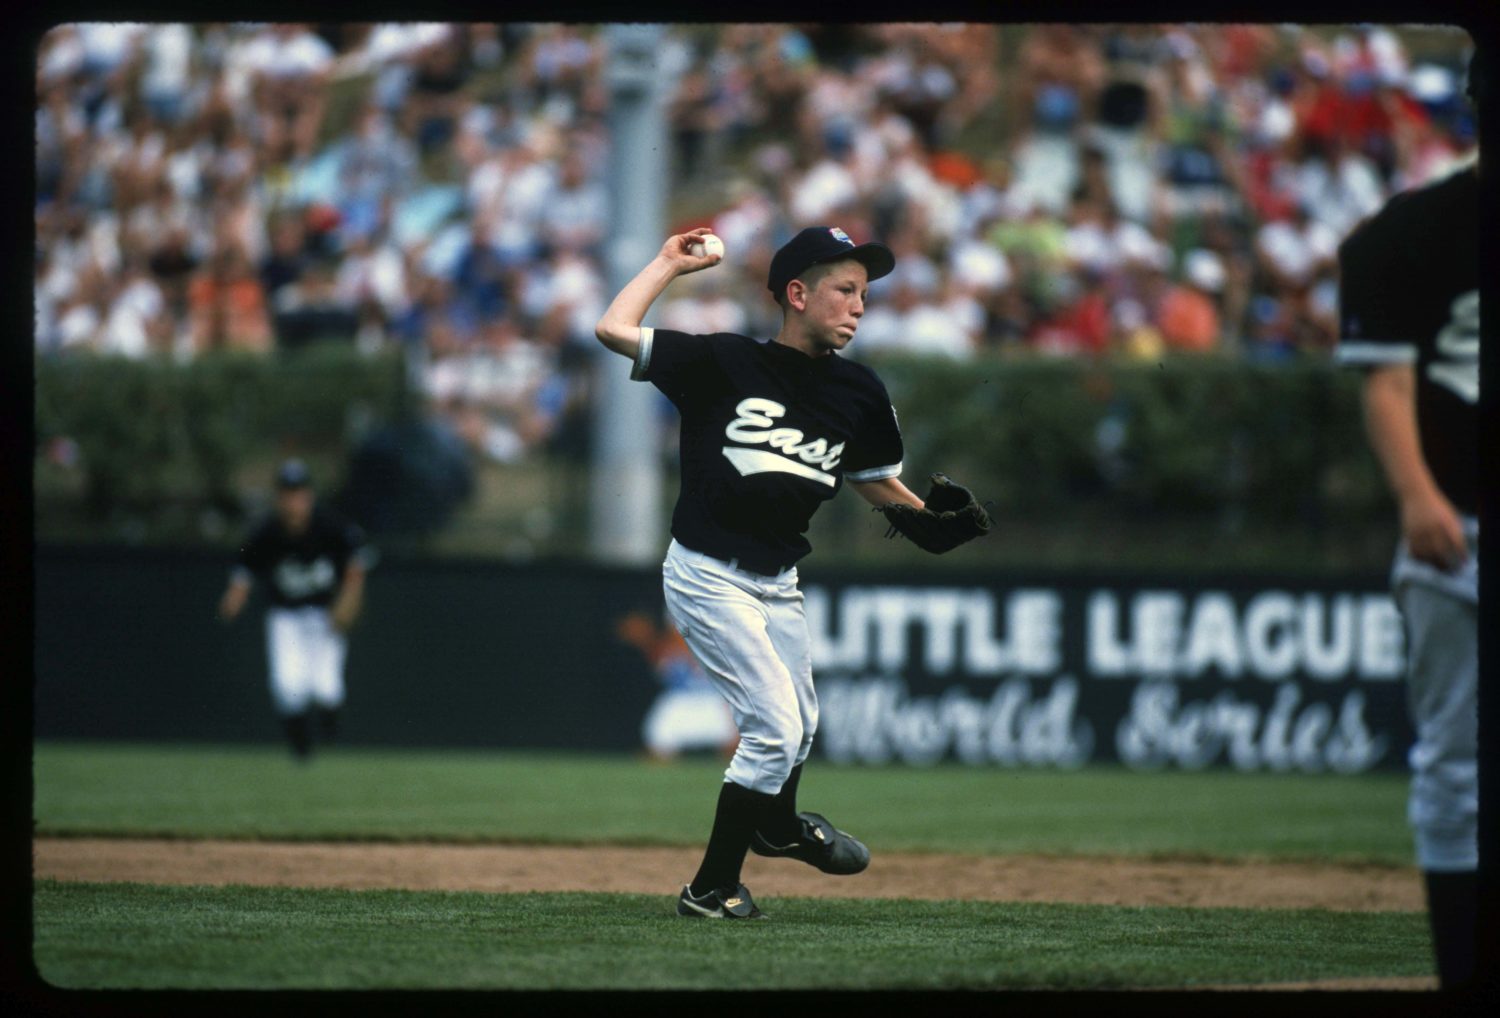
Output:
(502, 868)
(512, 868)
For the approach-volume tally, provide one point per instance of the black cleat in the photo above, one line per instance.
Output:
(821, 845)
(725, 903)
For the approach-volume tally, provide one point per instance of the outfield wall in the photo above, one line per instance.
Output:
(1254, 673)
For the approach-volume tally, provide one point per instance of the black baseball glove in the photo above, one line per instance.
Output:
(951, 517)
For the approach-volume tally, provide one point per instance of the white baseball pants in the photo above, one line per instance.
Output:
(749, 632)
(306, 655)
(1442, 695)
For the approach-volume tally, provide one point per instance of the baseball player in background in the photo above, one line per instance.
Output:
(313, 565)
(1409, 316)
(689, 713)
(770, 430)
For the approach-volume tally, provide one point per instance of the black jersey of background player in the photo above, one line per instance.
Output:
(768, 435)
(307, 568)
(1409, 293)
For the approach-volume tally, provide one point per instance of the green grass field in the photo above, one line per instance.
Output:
(131, 935)
(260, 792)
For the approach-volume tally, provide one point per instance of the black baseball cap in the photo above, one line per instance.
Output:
(293, 473)
(825, 244)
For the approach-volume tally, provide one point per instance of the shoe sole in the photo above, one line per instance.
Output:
(761, 847)
(693, 912)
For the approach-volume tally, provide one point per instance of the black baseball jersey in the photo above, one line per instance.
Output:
(768, 435)
(307, 568)
(1409, 294)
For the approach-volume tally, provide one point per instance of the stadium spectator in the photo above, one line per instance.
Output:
(1195, 130)
(435, 100)
(284, 262)
(693, 115)
(488, 391)
(288, 68)
(173, 261)
(1077, 319)
(1059, 74)
(703, 304)
(507, 194)
(1133, 333)
(391, 51)
(828, 189)
(371, 279)
(137, 323)
(560, 68)
(576, 212)
(166, 82)
(914, 319)
(564, 296)
(1338, 184)
(417, 322)
(227, 304)
(1255, 144)
(377, 168)
(1432, 137)
(310, 310)
(1291, 248)
(79, 319)
(481, 286)
(1188, 315)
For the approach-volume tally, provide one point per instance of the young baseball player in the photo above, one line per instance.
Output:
(770, 430)
(1409, 311)
(313, 565)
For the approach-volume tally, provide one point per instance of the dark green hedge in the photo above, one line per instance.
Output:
(1184, 462)
(154, 433)
(1176, 461)
(1179, 435)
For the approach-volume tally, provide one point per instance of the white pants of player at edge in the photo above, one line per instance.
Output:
(749, 632)
(306, 654)
(1441, 611)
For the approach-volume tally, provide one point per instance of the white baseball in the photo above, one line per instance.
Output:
(707, 244)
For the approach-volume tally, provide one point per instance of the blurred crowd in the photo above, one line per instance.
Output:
(1155, 188)
(1067, 189)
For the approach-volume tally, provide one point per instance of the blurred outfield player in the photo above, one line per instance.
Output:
(1409, 316)
(313, 565)
(770, 430)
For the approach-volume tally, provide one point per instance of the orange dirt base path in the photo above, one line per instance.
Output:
(510, 868)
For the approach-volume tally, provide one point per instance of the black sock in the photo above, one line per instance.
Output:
(297, 733)
(328, 721)
(1453, 911)
(781, 826)
(739, 813)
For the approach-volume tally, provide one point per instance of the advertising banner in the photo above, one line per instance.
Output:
(1053, 670)
(1252, 675)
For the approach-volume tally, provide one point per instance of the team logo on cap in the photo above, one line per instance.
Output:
(840, 236)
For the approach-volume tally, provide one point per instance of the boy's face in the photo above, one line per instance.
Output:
(294, 507)
(835, 305)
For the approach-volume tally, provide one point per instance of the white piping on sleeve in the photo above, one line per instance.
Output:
(642, 354)
(874, 474)
(1375, 353)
